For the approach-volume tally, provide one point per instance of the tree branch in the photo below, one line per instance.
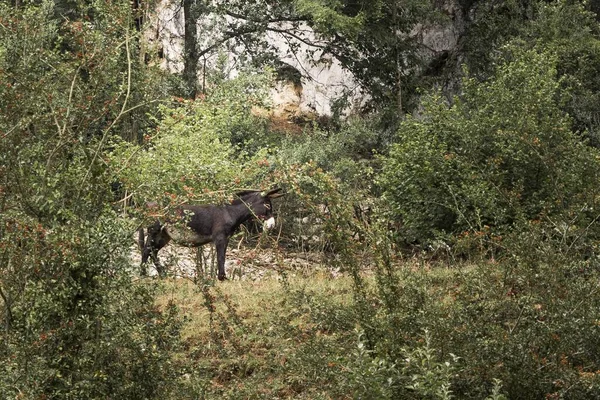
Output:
(9, 316)
(268, 21)
(118, 117)
(297, 37)
(61, 131)
(228, 37)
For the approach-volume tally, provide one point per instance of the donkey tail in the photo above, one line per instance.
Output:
(141, 238)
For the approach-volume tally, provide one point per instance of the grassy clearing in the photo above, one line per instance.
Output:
(250, 300)
(286, 336)
(419, 331)
(281, 337)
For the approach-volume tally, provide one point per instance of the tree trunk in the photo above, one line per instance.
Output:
(7, 311)
(190, 56)
(396, 27)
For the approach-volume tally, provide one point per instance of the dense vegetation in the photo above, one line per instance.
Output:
(455, 217)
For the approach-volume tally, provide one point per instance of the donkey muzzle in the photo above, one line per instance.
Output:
(269, 224)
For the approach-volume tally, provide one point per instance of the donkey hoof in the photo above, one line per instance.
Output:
(222, 277)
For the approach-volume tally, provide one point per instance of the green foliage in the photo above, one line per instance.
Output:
(416, 375)
(262, 339)
(325, 16)
(346, 153)
(492, 26)
(528, 322)
(384, 54)
(187, 152)
(237, 99)
(197, 145)
(374, 40)
(502, 152)
(564, 29)
(573, 35)
(524, 328)
(318, 212)
(497, 169)
(66, 87)
(74, 325)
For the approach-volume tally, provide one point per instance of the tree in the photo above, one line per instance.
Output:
(568, 31)
(198, 148)
(501, 154)
(373, 40)
(190, 56)
(565, 29)
(73, 324)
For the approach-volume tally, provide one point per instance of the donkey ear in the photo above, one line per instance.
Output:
(244, 192)
(273, 193)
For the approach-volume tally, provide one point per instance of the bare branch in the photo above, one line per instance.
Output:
(268, 21)
(297, 37)
(121, 113)
(7, 306)
(61, 131)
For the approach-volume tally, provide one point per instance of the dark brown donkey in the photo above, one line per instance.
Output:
(202, 224)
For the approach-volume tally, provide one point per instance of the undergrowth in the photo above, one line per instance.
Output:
(263, 339)
(484, 330)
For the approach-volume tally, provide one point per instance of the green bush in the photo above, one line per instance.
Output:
(329, 177)
(73, 324)
(525, 327)
(346, 152)
(195, 147)
(502, 152)
(416, 374)
(572, 33)
(498, 169)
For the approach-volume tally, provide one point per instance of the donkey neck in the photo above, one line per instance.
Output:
(239, 212)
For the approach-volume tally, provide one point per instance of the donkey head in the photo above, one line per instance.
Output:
(260, 205)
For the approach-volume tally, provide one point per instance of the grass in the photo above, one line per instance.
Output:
(284, 336)
(297, 336)
(279, 337)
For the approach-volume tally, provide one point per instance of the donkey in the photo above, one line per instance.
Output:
(197, 225)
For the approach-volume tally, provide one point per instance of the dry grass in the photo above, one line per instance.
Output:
(272, 338)
(252, 300)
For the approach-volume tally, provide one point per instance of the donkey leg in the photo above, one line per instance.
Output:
(145, 254)
(156, 240)
(159, 268)
(145, 249)
(221, 245)
(150, 251)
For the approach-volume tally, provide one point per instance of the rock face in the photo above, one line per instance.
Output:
(316, 79)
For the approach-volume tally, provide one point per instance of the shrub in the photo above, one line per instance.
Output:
(502, 152)
(73, 325)
(346, 153)
(500, 169)
(194, 148)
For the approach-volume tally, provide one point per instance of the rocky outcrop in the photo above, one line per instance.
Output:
(311, 78)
